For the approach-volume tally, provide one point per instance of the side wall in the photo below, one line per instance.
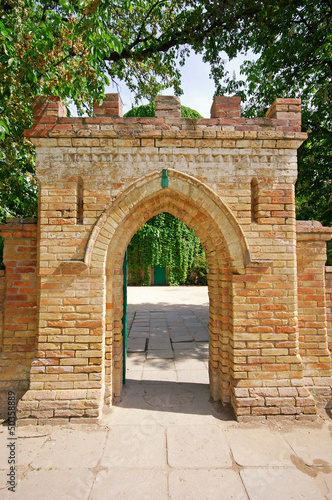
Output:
(2, 300)
(328, 288)
(18, 314)
(314, 299)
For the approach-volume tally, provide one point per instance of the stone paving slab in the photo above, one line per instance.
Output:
(4, 493)
(29, 447)
(188, 354)
(197, 446)
(189, 364)
(194, 376)
(130, 446)
(313, 446)
(181, 338)
(3, 447)
(323, 481)
(66, 445)
(133, 484)
(135, 374)
(279, 484)
(179, 346)
(134, 346)
(159, 343)
(159, 364)
(200, 336)
(137, 336)
(169, 376)
(259, 447)
(160, 354)
(55, 485)
(206, 484)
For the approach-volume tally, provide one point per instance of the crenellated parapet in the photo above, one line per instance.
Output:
(280, 129)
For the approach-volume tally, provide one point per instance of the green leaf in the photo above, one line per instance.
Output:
(3, 130)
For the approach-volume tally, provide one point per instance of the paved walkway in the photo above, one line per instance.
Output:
(167, 440)
(168, 343)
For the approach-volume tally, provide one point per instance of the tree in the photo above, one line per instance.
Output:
(294, 44)
(166, 241)
(72, 48)
(46, 47)
(148, 110)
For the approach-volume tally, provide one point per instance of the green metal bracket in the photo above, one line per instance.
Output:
(164, 179)
(124, 318)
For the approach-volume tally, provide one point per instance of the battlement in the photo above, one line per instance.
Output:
(282, 122)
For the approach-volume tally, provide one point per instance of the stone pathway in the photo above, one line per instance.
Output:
(168, 345)
(166, 439)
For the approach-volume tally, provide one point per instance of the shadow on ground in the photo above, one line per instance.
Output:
(173, 397)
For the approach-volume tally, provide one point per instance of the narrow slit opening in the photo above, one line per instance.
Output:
(80, 200)
(254, 199)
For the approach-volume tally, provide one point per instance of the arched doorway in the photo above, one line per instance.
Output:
(167, 334)
(225, 248)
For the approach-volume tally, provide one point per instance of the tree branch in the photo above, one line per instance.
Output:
(136, 41)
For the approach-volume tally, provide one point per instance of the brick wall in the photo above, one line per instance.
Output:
(2, 300)
(328, 281)
(313, 297)
(18, 288)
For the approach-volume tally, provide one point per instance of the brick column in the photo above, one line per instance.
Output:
(110, 106)
(288, 113)
(167, 106)
(328, 291)
(313, 335)
(226, 107)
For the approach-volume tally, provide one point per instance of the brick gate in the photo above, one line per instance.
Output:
(231, 179)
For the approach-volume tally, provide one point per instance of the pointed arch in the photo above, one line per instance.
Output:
(197, 201)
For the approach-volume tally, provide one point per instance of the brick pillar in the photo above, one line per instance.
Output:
(48, 109)
(111, 106)
(167, 106)
(328, 291)
(288, 112)
(20, 306)
(226, 107)
(267, 368)
(311, 258)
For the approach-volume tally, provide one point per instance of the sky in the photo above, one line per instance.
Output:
(197, 86)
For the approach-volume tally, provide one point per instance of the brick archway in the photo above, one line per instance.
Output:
(230, 178)
(225, 247)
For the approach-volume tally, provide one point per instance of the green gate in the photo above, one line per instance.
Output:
(160, 276)
(124, 317)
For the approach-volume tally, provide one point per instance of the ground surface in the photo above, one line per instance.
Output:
(166, 440)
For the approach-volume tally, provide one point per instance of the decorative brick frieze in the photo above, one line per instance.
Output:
(231, 179)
